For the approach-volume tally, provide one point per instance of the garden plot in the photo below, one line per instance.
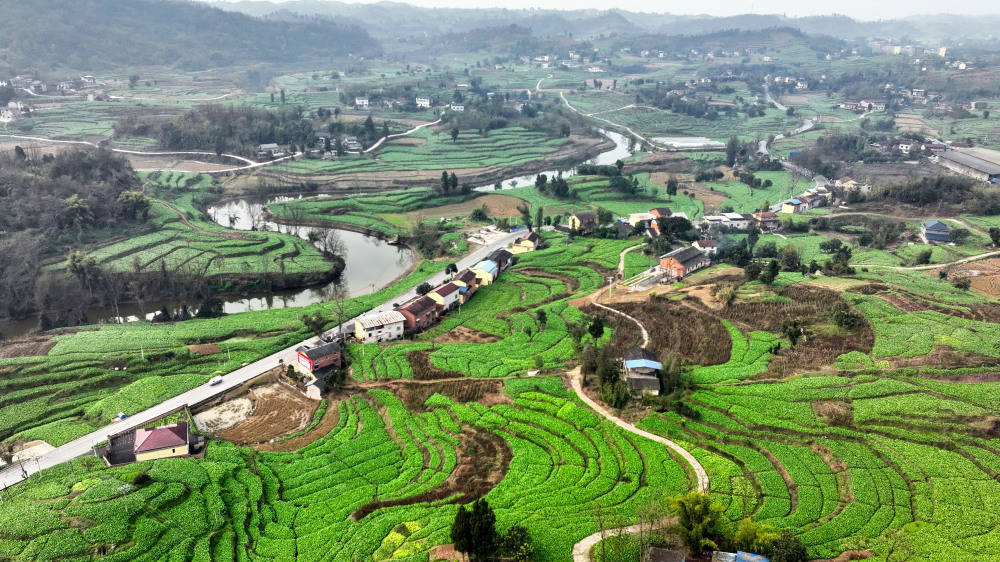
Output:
(278, 410)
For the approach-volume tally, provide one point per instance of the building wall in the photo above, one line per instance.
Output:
(487, 279)
(162, 453)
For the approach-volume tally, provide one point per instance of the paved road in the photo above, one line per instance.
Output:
(83, 446)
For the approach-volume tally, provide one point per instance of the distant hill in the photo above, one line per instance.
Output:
(108, 34)
(393, 19)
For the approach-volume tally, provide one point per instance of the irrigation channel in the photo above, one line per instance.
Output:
(370, 262)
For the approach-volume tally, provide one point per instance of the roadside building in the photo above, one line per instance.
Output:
(737, 220)
(683, 261)
(932, 231)
(467, 285)
(446, 297)
(502, 258)
(379, 327)
(352, 144)
(162, 442)
(268, 150)
(708, 247)
(419, 313)
(424, 103)
(641, 368)
(528, 243)
(320, 357)
(582, 222)
(713, 222)
(361, 103)
(486, 272)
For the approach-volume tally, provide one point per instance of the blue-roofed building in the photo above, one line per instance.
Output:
(486, 272)
(791, 206)
(934, 231)
(641, 367)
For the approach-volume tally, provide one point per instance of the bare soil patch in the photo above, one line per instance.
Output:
(713, 200)
(834, 412)
(28, 346)
(329, 421)
(224, 416)
(912, 122)
(830, 119)
(204, 349)
(794, 98)
(277, 411)
(483, 459)
(984, 275)
(497, 205)
(662, 162)
(461, 334)
(141, 162)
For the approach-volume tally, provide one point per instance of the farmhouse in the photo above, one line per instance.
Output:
(683, 261)
(708, 247)
(467, 284)
(320, 357)
(457, 108)
(582, 222)
(361, 103)
(635, 219)
(660, 212)
(502, 258)
(641, 367)
(934, 231)
(970, 164)
(793, 205)
(486, 271)
(446, 297)
(268, 150)
(738, 221)
(379, 327)
(162, 442)
(528, 243)
(418, 313)
(423, 102)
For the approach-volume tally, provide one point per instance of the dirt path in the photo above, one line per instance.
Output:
(642, 329)
(933, 265)
(621, 258)
(581, 550)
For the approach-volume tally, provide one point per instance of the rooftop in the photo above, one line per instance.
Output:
(971, 161)
(418, 305)
(322, 350)
(446, 289)
(164, 437)
(380, 319)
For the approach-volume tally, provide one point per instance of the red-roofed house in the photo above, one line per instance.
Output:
(162, 442)
(445, 296)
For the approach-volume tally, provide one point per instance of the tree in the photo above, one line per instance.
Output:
(959, 235)
(671, 186)
(133, 80)
(539, 216)
(752, 271)
(454, 134)
(424, 288)
(603, 216)
(788, 548)
(670, 374)
(793, 331)
(596, 328)
(461, 530)
(385, 129)
(962, 283)
(314, 322)
(542, 318)
(453, 181)
(830, 246)
(754, 536)
(516, 544)
(732, 147)
(790, 259)
(752, 238)
(282, 96)
(699, 520)
(620, 165)
(272, 97)
(20, 154)
(986, 114)
(525, 215)
(482, 531)
(995, 236)
(771, 273)
(445, 184)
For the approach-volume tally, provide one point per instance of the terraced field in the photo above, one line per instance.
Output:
(436, 151)
(383, 484)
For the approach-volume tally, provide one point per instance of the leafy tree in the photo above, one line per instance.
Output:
(482, 531)
(844, 317)
(516, 544)
(771, 273)
(445, 184)
(453, 181)
(752, 271)
(596, 328)
(539, 216)
(959, 235)
(424, 288)
(790, 259)
(766, 250)
(923, 257)
(620, 165)
(603, 216)
(671, 186)
(670, 374)
(699, 520)
(542, 318)
(282, 96)
(454, 134)
(830, 246)
(788, 548)
(752, 238)
(314, 322)
(732, 147)
(479, 214)
(754, 536)
(614, 394)
(995, 236)
(525, 215)
(793, 330)
(962, 283)
(461, 530)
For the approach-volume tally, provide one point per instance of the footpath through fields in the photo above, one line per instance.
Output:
(84, 445)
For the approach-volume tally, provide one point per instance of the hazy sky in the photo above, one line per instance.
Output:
(858, 9)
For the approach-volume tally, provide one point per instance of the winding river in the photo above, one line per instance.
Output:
(370, 263)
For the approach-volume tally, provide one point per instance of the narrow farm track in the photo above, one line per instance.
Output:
(621, 258)
(397, 135)
(581, 550)
(642, 329)
(933, 265)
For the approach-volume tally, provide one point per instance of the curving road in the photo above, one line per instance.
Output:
(83, 446)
